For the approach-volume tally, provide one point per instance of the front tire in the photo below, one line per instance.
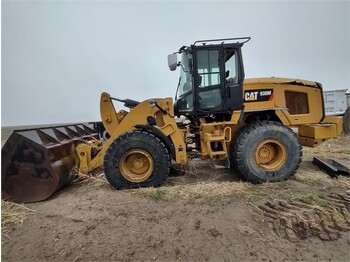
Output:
(267, 151)
(136, 159)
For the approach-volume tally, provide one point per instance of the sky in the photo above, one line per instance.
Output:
(57, 57)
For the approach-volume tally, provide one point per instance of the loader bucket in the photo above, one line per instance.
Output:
(38, 162)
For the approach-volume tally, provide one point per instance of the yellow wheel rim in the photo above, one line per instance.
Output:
(136, 165)
(270, 155)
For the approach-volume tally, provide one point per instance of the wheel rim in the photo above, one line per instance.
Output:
(136, 165)
(270, 155)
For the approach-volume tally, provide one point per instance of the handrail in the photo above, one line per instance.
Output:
(247, 38)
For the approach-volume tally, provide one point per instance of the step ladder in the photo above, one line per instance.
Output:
(222, 137)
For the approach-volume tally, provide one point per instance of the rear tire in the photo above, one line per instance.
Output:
(136, 159)
(266, 151)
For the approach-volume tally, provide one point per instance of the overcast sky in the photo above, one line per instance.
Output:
(58, 56)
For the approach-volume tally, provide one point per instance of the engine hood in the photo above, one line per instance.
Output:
(279, 80)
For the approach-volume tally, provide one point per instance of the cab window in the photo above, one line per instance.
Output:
(230, 67)
(208, 68)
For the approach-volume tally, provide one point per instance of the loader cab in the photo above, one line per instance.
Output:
(211, 78)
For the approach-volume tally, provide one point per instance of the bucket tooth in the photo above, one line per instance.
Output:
(46, 138)
(81, 131)
(60, 135)
(71, 133)
(38, 162)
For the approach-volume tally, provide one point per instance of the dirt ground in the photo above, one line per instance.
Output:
(201, 215)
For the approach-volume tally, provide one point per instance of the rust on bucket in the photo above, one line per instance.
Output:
(38, 162)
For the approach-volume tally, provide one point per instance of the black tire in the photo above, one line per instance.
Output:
(346, 122)
(128, 145)
(258, 142)
(233, 155)
(105, 135)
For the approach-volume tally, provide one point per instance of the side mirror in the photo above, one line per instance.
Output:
(172, 62)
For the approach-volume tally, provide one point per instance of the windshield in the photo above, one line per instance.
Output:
(185, 81)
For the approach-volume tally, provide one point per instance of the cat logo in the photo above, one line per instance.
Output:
(251, 96)
(258, 95)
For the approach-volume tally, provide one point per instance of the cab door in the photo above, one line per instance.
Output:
(234, 76)
(209, 95)
(218, 80)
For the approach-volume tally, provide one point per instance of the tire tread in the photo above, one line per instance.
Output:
(243, 139)
(120, 145)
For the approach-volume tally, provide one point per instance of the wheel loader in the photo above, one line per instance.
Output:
(256, 126)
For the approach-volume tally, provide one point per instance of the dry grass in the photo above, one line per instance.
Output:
(12, 217)
(333, 148)
(319, 178)
(337, 149)
(314, 178)
(210, 190)
(187, 169)
(95, 179)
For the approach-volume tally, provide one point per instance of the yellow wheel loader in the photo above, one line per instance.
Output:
(217, 115)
